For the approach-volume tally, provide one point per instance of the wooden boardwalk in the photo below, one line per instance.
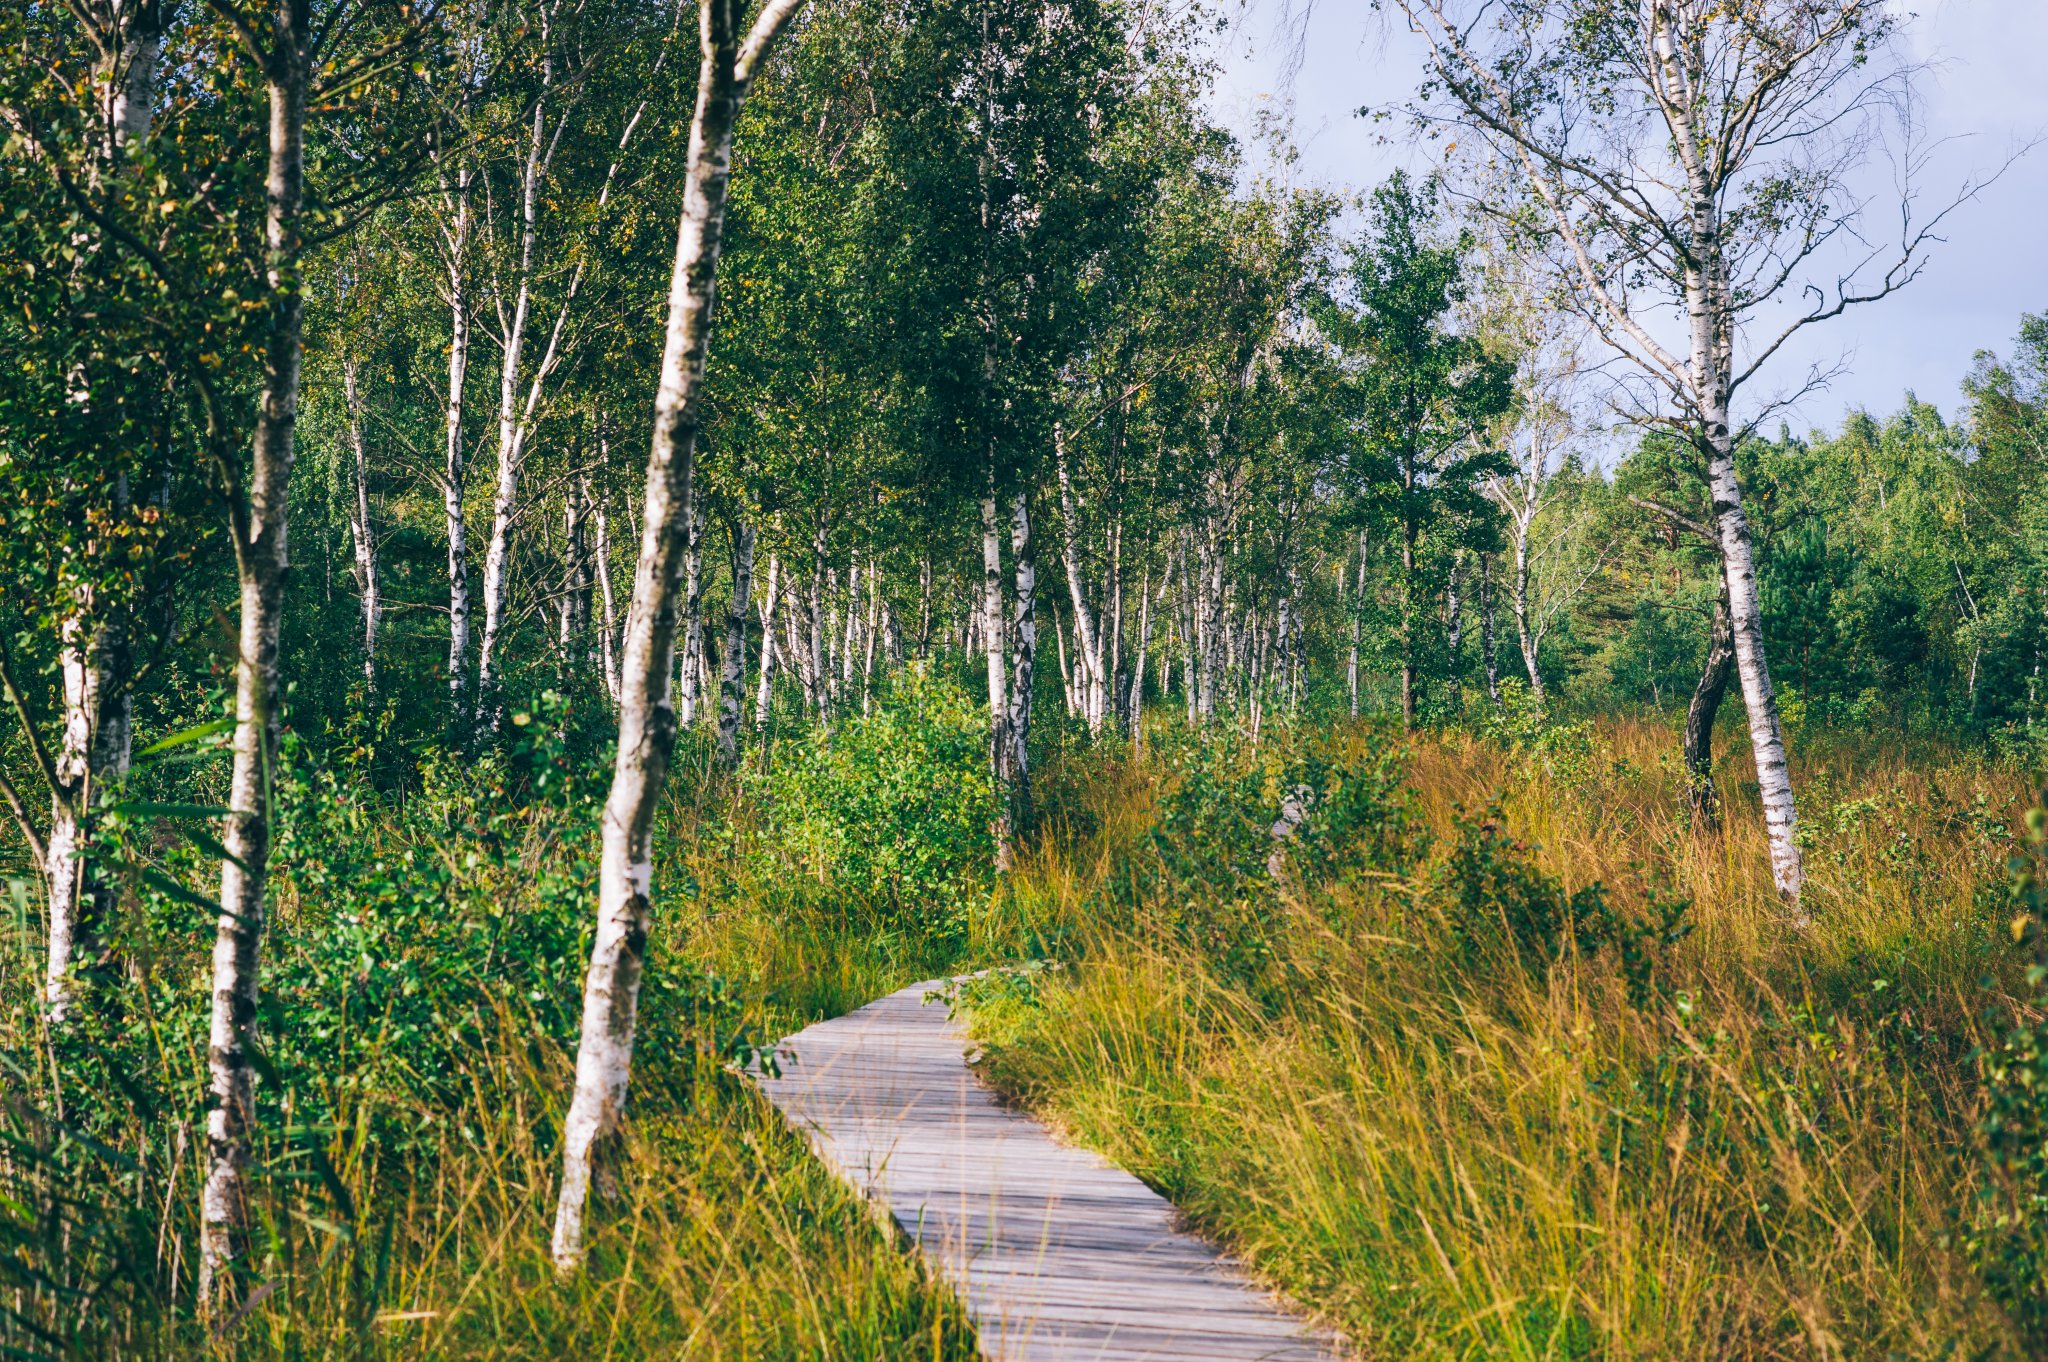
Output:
(1060, 1256)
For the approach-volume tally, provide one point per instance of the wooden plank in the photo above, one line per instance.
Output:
(1059, 1255)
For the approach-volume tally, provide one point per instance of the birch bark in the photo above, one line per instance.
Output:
(511, 430)
(455, 256)
(691, 666)
(261, 558)
(1486, 628)
(1023, 661)
(732, 685)
(764, 695)
(1087, 640)
(992, 644)
(94, 653)
(646, 713)
(361, 534)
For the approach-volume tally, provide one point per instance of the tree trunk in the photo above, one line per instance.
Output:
(874, 626)
(764, 695)
(817, 665)
(1711, 315)
(95, 656)
(1454, 606)
(80, 668)
(1087, 642)
(924, 607)
(511, 428)
(993, 649)
(1486, 628)
(361, 533)
(1357, 624)
(459, 706)
(849, 641)
(1023, 660)
(690, 668)
(1701, 797)
(1134, 716)
(608, 644)
(1408, 677)
(261, 561)
(646, 715)
(1189, 612)
(732, 687)
(1518, 601)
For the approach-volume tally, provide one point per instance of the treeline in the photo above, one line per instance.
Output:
(982, 347)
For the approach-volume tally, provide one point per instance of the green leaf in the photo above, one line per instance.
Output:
(186, 735)
(143, 808)
(165, 884)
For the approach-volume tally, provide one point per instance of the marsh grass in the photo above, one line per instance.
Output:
(421, 983)
(1451, 1150)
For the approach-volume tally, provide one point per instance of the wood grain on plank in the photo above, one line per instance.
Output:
(1059, 1255)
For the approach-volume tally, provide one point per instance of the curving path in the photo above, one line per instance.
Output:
(1059, 1255)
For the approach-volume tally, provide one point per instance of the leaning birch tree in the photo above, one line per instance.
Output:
(1686, 167)
(731, 57)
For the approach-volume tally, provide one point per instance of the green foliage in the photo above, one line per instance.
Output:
(1494, 893)
(2009, 1238)
(893, 809)
(1562, 748)
(1212, 864)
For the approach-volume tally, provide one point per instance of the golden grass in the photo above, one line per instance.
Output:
(1457, 1157)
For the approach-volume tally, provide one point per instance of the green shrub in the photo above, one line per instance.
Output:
(2009, 1241)
(1495, 893)
(893, 809)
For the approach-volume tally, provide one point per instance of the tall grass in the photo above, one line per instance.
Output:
(420, 990)
(1747, 1144)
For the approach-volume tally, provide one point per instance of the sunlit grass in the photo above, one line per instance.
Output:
(1459, 1157)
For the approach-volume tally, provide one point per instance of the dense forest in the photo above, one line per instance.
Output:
(549, 544)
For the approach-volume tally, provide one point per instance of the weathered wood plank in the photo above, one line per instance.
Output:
(1060, 1256)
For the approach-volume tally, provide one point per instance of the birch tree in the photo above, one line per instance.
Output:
(732, 55)
(1688, 163)
(281, 45)
(94, 186)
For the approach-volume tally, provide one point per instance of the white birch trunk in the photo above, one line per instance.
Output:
(732, 685)
(764, 694)
(874, 625)
(1486, 628)
(1518, 602)
(1023, 660)
(608, 642)
(361, 533)
(646, 713)
(511, 430)
(691, 668)
(1710, 314)
(992, 644)
(456, 249)
(261, 553)
(1087, 642)
(78, 666)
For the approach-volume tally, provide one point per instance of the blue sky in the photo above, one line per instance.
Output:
(1986, 91)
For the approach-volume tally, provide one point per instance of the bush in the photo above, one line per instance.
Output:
(2009, 1241)
(1212, 863)
(894, 809)
(1495, 893)
(422, 970)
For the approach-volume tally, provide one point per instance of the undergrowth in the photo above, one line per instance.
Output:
(1498, 1059)
(421, 989)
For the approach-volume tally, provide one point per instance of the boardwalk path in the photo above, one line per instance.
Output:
(1060, 1256)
